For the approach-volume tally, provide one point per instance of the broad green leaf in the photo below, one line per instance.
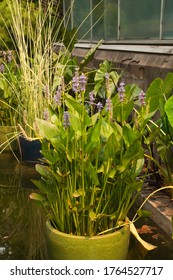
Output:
(73, 105)
(149, 116)
(168, 85)
(139, 165)
(101, 168)
(121, 112)
(36, 196)
(2, 84)
(154, 93)
(128, 135)
(41, 185)
(106, 130)
(104, 68)
(94, 118)
(132, 91)
(99, 79)
(75, 123)
(132, 153)
(169, 110)
(92, 172)
(144, 117)
(112, 146)
(117, 130)
(112, 173)
(45, 171)
(105, 167)
(93, 138)
(114, 77)
(47, 129)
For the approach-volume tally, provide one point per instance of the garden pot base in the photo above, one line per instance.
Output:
(62, 246)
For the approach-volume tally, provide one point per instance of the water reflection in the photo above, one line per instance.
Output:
(21, 234)
(22, 221)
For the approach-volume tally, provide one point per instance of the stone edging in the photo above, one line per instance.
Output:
(161, 207)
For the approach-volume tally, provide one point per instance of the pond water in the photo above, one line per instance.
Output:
(22, 221)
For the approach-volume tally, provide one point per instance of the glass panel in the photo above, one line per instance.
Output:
(82, 18)
(111, 19)
(168, 20)
(140, 19)
(67, 13)
(97, 19)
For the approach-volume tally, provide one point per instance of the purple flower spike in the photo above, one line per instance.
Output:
(82, 82)
(46, 115)
(57, 97)
(122, 84)
(121, 91)
(92, 98)
(2, 68)
(107, 81)
(99, 106)
(9, 56)
(66, 119)
(75, 81)
(108, 104)
(107, 76)
(142, 97)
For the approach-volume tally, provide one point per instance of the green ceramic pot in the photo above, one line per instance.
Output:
(62, 246)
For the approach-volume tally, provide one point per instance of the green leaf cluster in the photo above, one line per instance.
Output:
(92, 168)
(159, 98)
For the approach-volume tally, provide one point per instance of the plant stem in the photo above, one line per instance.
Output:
(82, 161)
(163, 188)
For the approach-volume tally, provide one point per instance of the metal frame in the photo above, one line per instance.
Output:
(159, 41)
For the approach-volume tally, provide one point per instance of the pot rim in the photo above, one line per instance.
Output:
(103, 236)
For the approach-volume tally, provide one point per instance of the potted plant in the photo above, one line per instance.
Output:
(161, 131)
(93, 156)
(32, 31)
(36, 29)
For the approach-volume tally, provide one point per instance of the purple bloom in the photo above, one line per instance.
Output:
(46, 115)
(107, 81)
(121, 91)
(108, 104)
(82, 82)
(122, 84)
(9, 56)
(75, 81)
(66, 119)
(92, 98)
(57, 97)
(4, 55)
(2, 68)
(99, 106)
(142, 97)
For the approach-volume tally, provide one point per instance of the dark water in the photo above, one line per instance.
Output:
(22, 221)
